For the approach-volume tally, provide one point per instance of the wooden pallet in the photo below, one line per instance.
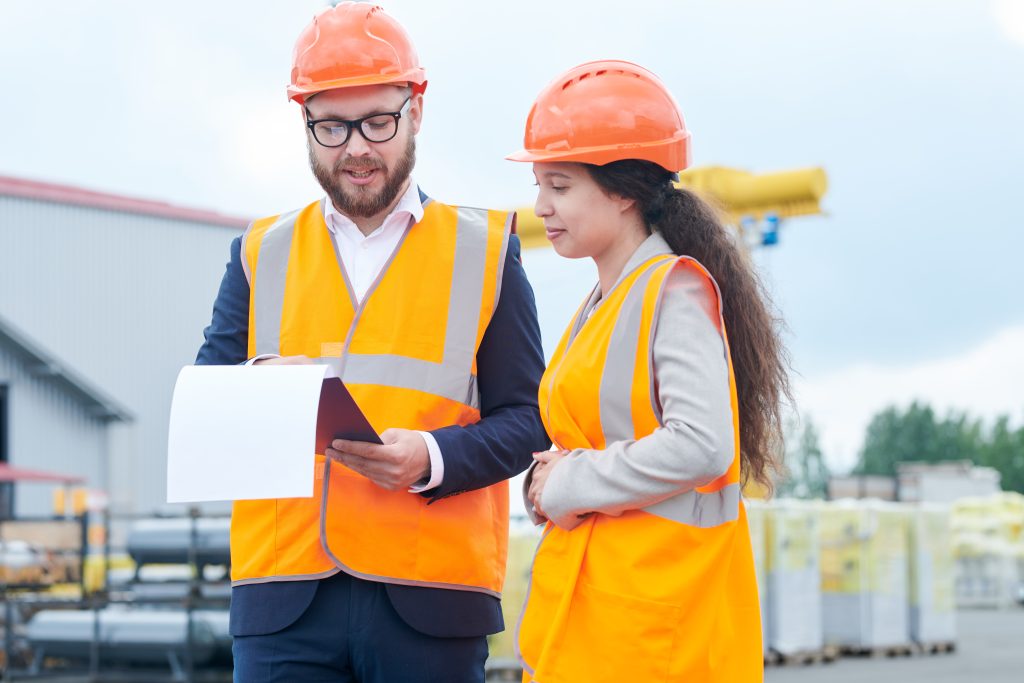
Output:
(879, 652)
(802, 658)
(936, 648)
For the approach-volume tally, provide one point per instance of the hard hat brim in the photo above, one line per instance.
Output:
(672, 154)
(414, 77)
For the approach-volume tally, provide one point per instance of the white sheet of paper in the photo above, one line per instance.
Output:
(243, 432)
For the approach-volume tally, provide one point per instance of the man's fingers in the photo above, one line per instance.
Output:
(398, 463)
(369, 469)
(379, 473)
(390, 436)
(363, 449)
(350, 461)
(285, 360)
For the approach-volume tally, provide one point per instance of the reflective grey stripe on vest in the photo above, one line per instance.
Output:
(701, 509)
(452, 378)
(467, 287)
(502, 256)
(616, 394)
(692, 507)
(271, 271)
(438, 379)
(657, 312)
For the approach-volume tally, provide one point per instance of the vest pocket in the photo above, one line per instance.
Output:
(612, 637)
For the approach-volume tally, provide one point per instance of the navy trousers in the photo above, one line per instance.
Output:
(351, 634)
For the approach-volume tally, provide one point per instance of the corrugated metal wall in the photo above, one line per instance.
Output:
(123, 299)
(49, 429)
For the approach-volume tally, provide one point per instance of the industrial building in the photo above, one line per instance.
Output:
(103, 299)
(49, 418)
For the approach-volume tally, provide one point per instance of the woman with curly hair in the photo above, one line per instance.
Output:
(662, 398)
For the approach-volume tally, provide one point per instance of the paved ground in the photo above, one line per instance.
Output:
(990, 649)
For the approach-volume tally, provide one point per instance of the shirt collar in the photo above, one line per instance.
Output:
(409, 204)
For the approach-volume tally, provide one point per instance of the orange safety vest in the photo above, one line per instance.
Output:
(665, 593)
(407, 353)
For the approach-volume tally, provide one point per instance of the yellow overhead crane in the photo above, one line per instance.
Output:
(750, 202)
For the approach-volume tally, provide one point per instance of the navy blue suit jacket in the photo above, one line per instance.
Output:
(510, 362)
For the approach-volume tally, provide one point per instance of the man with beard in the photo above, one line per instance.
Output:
(393, 570)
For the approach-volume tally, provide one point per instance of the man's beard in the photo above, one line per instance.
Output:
(362, 202)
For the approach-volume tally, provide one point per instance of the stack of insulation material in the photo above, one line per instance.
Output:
(988, 544)
(865, 574)
(794, 615)
(757, 515)
(932, 607)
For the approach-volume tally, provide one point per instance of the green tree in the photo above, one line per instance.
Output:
(806, 473)
(883, 443)
(1004, 451)
(916, 435)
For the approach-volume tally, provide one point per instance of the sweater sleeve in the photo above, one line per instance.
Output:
(695, 444)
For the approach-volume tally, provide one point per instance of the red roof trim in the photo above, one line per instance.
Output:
(66, 194)
(9, 474)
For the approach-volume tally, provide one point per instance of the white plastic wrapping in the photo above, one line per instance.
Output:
(932, 605)
(794, 613)
(865, 574)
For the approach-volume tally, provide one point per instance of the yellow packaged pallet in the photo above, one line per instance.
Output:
(865, 574)
(794, 614)
(757, 516)
(932, 604)
(988, 546)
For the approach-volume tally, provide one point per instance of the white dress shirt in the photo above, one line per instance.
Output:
(363, 257)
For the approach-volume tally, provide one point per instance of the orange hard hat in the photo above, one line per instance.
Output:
(353, 44)
(606, 111)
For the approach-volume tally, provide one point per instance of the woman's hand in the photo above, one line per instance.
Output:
(546, 461)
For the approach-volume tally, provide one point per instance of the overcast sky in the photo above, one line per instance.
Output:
(909, 288)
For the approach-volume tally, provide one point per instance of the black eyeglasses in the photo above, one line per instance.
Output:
(373, 128)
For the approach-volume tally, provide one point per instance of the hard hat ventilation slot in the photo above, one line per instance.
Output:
(601, 72)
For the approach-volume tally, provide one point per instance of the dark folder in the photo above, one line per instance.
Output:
(338, 417)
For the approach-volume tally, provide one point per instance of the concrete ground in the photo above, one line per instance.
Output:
(990, 649)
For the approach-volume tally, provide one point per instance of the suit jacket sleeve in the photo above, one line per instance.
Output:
(227, 336)
(510, 362)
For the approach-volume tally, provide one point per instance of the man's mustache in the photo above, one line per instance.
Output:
(361, 164)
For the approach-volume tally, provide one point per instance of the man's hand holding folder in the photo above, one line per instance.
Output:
(398, 462)
(396, 465)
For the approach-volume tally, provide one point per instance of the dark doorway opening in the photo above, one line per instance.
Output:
(6, 489)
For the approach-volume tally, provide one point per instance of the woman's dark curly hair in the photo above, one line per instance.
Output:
(760, 364)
